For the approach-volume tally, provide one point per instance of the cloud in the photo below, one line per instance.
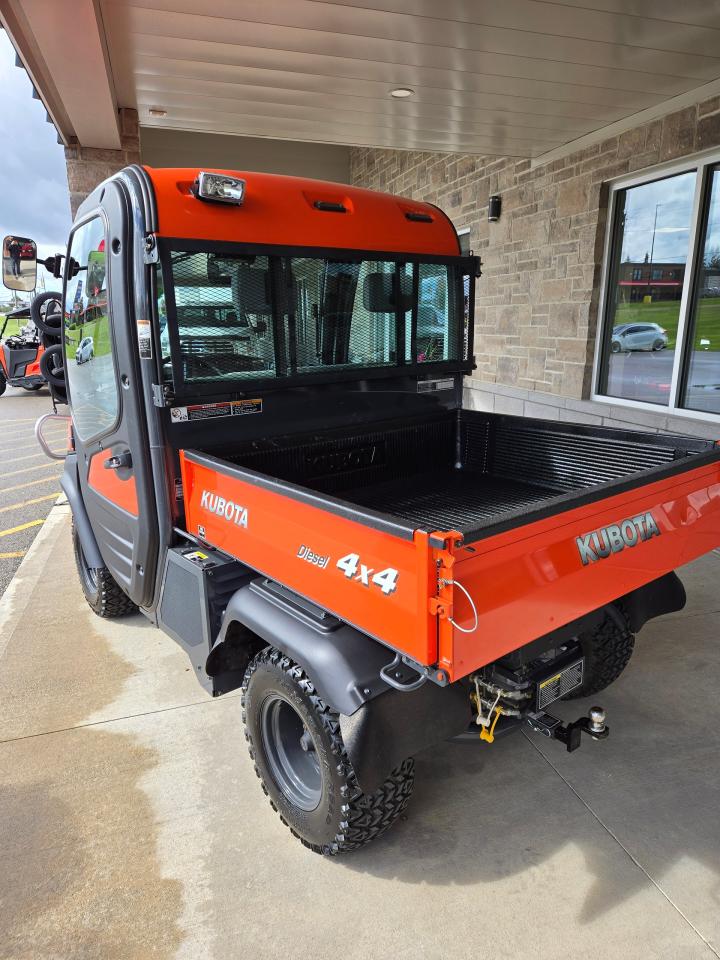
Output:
(34, 198)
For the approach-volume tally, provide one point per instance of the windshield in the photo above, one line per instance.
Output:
(232, 317)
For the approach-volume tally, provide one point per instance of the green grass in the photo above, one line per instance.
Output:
(98, 329)
(13, 326)
(665, 313)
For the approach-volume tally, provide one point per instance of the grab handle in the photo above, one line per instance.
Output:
(395, 682)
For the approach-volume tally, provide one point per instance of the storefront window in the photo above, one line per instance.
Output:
(651, 242)
(702, 388)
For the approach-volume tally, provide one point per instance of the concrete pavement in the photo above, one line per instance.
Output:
(28, 479)
(132, 824)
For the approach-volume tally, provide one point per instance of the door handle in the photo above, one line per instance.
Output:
(119, 461)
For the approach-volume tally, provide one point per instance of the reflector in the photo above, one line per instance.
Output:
(219, 187)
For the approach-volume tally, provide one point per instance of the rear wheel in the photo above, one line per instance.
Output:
(295, 742)
(3, 381)
(101, 590)
(607, 651)
(658, 345)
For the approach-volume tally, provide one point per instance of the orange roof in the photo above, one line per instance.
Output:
(280, 210)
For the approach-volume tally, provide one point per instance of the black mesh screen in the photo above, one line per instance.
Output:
(223, 316)
(238, 317)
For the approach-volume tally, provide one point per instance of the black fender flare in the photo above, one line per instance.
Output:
(70, 483)
(343, 663)
(381, 726)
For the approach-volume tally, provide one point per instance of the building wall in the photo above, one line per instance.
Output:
(181, 148)
(89, 166)
(537, 300)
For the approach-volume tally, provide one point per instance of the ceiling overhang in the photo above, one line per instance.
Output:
(519, 78)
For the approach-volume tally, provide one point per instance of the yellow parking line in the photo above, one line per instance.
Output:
(40, 466)
(30, 483)
(14, 553)
(22, 526)
(28, 456)
(27, 503)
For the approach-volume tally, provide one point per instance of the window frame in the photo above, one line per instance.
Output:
(97, 214)
(702, 164)
(181, 388)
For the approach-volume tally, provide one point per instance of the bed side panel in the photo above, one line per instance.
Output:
(381, 587)
(530, 580)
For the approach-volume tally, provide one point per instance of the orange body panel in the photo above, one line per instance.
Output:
(525, 582)
(279, 210)
(531, 580)
(118, 490)
(277, 527)
(33, 369)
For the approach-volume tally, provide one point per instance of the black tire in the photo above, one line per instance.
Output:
(3, 381)
(615, 347)
(658, 345)
(48, 321)
(101, 590)
(312, 787)
(607, 651)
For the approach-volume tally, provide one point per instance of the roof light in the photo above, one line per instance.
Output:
(400, 93)
(219, 187)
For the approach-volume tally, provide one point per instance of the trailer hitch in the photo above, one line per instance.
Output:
(570, 733)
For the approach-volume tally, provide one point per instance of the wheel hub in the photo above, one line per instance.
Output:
(291, 753)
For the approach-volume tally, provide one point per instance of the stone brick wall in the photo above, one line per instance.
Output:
(88, 166)
(537, 302)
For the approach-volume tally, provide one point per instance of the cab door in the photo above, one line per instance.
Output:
(106, 402)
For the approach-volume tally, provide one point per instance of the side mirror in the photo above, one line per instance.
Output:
(19, 264)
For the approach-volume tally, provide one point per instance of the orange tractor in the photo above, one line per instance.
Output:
(271, 461)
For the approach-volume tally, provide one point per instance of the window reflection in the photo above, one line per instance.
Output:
(648, 272)
(703, 382)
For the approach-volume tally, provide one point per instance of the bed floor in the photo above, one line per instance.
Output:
(447, 500)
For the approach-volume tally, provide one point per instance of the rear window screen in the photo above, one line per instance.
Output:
(253, 317)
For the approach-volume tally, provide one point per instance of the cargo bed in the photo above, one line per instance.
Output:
(466, 471)
(377, 524)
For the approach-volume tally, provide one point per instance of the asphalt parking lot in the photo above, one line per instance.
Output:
(132, 825)
(28, 479)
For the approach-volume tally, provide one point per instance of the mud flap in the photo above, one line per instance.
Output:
(394, 726)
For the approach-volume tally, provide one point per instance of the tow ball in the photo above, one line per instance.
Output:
(571, 733)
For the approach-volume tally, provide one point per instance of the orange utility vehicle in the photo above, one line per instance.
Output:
(272, 462)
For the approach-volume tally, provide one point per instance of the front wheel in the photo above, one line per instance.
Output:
(101, 590)
(295, 742)
(3, 381)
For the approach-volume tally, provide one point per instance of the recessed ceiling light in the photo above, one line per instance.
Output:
(157, 112)
(400, 93)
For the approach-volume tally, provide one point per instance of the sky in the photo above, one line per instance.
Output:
(34, 199)
(673, 199)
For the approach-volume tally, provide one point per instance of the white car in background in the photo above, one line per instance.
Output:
(85, 350)
(638, 336)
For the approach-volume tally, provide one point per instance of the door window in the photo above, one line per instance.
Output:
(89, 363)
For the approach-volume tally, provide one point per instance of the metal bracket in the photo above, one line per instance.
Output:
(150, 252)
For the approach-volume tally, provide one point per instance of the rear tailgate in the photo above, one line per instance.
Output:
(532, 578)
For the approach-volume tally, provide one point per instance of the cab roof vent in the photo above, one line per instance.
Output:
(330, 206)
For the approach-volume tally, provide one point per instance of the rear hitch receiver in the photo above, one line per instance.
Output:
(571, 733)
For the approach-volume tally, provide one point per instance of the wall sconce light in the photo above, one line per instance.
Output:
(494, 208)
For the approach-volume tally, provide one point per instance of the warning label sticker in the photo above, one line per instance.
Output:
(144, 335)
(210, 411)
